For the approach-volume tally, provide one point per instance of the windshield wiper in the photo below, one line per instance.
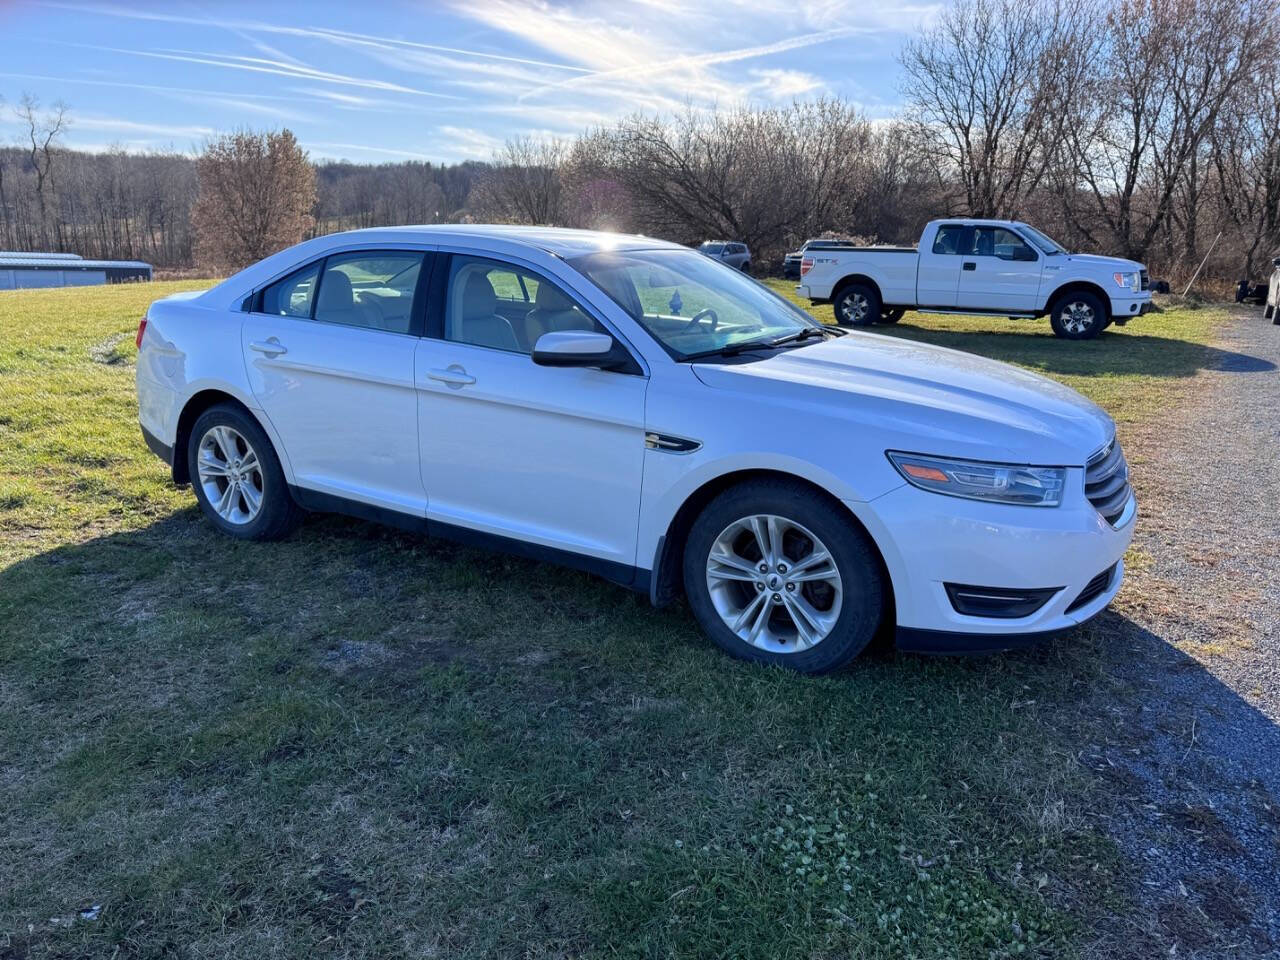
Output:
(804, 334)
(732, 349)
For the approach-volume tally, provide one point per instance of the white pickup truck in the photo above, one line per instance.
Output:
(999, 267)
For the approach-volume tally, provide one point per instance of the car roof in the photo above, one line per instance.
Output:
(560, 241)
(980, 222)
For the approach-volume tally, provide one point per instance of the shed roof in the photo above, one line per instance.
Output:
(54, 263)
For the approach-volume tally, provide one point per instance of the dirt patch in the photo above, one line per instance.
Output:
(108, 351)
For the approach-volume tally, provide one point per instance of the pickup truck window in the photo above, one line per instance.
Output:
(948, 239)
(1000, 242)
(1044, 241)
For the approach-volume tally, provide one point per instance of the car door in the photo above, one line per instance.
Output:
(551, 456)
(938, 270)
(330, 352)
(1000, 271)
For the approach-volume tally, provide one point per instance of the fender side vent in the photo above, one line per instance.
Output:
(665, 441)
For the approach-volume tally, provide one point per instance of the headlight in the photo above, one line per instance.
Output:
(1130, 281)
(994, 482)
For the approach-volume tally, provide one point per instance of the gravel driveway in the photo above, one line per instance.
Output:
(1191, 771)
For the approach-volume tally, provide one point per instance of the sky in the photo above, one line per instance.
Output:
(443, 81)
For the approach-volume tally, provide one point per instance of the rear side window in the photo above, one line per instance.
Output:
(948, 239)
(292, 296)
(371, 290)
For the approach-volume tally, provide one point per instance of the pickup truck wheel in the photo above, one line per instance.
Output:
(776, 575)
(891, 314)
(1078, 316)
(857, 305)
(237, 478)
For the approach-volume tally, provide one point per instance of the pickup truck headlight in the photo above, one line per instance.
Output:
(1130, 281)
(975, 480)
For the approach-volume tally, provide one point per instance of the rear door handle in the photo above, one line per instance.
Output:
(272, 347)
(970, 265)
(453, 375)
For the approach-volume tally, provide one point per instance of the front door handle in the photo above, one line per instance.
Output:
(970, 265)
(453, 375)
(272, 347)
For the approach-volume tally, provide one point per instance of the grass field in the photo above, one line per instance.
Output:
(362, 743)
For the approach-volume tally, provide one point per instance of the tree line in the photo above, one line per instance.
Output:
(1144, 128)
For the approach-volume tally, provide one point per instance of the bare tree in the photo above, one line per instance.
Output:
(988, 86)
(256, 195)
(1167, 70)
(43, 130)
(523, 184)
(1246, 161)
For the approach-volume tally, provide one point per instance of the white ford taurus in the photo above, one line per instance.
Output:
(629, 407)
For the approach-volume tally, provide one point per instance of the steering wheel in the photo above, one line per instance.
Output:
(701, 315)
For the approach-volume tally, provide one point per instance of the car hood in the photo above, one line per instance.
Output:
(925, 399)
(1102, 263)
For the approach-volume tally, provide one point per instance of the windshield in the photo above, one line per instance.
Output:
(689, 304)
(712, 248)
(1043, 241)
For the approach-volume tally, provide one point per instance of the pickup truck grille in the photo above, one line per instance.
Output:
(1106, 481)
(1146, 281)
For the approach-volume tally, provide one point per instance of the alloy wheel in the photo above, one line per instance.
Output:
(774, 583)
(230, 475)
(1077, 317)
(853, 308)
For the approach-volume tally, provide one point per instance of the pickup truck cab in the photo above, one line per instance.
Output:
(1000, 267)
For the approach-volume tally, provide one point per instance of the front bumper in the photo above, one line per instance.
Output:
(928, 540)
(1124, 308)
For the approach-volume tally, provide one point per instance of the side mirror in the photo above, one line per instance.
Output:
(576, 348)
(1022, 253)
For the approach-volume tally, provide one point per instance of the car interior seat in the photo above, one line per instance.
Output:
(477, 321)
(553, 311)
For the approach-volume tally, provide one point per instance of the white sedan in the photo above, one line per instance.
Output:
(629, 407)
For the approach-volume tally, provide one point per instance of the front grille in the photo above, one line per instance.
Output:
(1106, 481)
(1093, 589)
(1146, 281)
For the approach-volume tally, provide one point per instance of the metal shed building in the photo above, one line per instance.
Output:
(19, 270)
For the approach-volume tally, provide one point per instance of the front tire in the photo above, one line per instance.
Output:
(1078, 316)
(857, 305)
(776, 574)
(236, 476)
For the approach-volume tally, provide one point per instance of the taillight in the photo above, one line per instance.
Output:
(806, 264)
(142, 329)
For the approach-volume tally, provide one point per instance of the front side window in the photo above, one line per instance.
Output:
(505, 307)
(949, 239)
(372, 290)
(689, 304)
(292, 296)
(1000, 242)
(1044, 241)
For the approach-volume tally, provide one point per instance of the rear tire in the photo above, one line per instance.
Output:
(1078, 316)
(746, 267)
(814, 623)
(237, 478)
(857, 305)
